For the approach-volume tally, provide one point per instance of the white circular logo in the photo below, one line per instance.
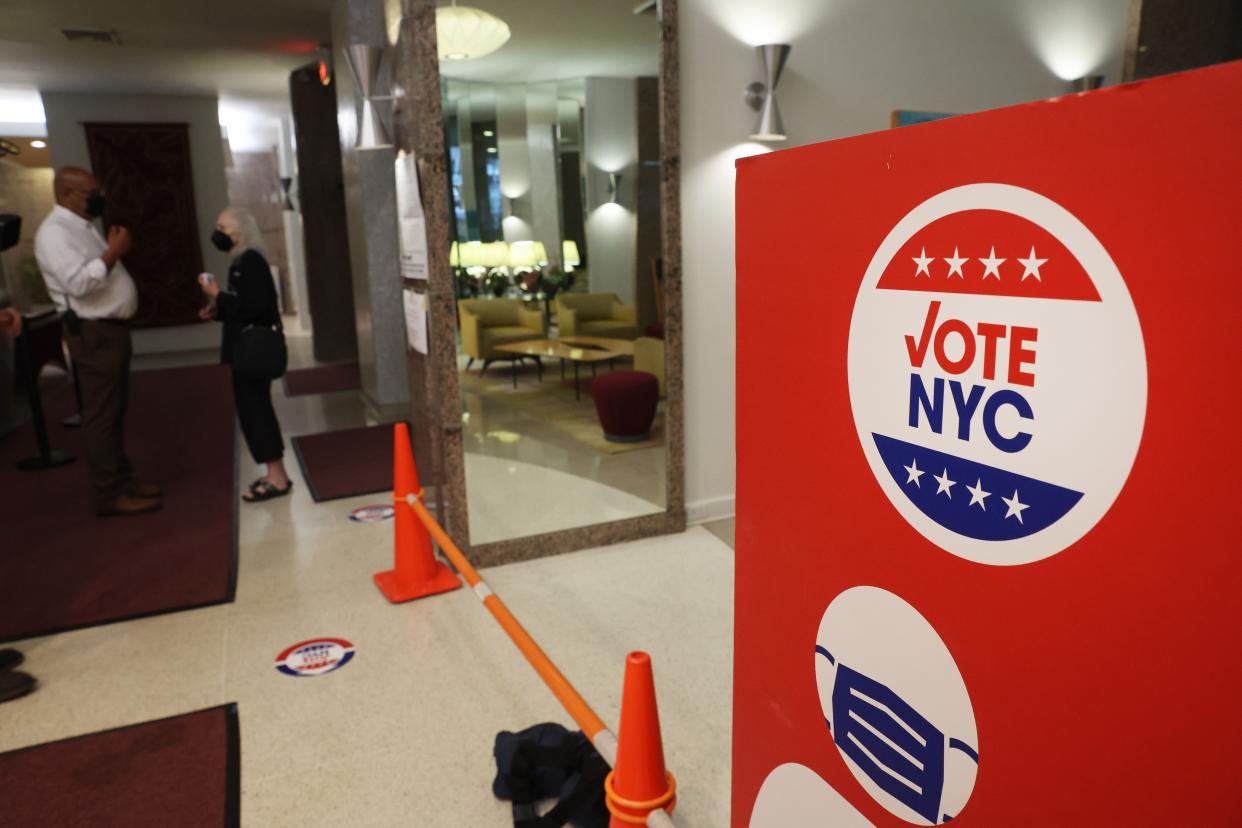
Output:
(997, 374)
(315, 657)
(896, 705)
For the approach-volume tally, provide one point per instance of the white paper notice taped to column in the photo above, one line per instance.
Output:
(416, 320)
(411, 225)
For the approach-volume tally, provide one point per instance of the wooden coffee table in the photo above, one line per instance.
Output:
(574, 349)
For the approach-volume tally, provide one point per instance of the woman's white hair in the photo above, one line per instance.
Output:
(249, 235)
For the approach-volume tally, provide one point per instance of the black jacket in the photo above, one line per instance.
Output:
(250, 299)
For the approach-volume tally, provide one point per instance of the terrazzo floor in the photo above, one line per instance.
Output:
(402, 735)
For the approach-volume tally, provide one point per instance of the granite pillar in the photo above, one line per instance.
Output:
(371, 216)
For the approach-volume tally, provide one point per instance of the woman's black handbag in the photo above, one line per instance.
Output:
(260, 352)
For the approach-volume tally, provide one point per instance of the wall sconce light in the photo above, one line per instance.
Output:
(614, 188)
(366, 63)
(1087, 83)
(761, 95)
(286, 191)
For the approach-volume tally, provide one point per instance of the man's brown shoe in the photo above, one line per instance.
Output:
(143, 490)
(128, 505)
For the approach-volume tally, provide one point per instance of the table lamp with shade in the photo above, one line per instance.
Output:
(527, 255)
(570, 258)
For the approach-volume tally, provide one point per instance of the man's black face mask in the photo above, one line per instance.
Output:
(95, 203)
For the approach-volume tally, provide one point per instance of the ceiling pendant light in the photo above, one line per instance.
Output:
(465, 33)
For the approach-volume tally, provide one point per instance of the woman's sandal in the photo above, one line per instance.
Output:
(261, 490)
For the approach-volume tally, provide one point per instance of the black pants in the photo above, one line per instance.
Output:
(101, 354)
(253, 398)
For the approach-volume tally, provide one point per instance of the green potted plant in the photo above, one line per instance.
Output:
(496, 282)
(554, 280)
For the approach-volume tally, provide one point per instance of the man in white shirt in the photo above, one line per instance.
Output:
(87, 281)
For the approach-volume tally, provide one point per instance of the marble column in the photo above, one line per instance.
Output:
(371, 214)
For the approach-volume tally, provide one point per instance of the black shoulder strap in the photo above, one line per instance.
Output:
(586, 791)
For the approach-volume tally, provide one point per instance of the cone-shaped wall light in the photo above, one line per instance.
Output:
(761, 95)
(365, 63)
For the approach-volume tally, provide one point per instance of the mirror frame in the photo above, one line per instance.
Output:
(434, 388)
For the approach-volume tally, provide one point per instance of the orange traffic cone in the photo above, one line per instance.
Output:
(416, 573)
(638, 783)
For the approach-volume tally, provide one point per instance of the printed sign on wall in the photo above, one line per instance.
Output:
(986, 550)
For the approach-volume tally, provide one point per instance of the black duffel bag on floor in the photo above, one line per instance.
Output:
(547, 761)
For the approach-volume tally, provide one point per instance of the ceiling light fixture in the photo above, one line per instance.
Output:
(37, 144)
(466, 33)
(92, 35)
(761, 95)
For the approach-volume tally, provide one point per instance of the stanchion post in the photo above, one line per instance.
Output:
(47, 457)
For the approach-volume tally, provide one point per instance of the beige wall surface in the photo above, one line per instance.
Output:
(25, 192)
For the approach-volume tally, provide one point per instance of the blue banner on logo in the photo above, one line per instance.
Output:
(973, 499)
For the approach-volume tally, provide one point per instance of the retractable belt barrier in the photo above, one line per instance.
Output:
(639, 791)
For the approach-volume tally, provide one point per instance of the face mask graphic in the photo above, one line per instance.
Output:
(891, 742)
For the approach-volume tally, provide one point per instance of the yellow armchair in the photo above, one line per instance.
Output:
(487, 323)
(595, 314)
(649, 357)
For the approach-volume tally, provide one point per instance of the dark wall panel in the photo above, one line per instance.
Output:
(146, 171)
(321, 188)
(1175, 35)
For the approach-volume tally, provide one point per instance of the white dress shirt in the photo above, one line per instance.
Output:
(68, 249)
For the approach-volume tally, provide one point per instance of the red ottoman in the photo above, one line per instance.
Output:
(626, 403)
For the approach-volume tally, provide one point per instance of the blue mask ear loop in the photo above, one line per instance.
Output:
(958, 744)
(820, 651)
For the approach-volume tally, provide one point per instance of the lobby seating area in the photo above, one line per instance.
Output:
(489, 323)
(596, 314)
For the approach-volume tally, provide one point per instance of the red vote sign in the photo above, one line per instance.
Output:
(988, 441)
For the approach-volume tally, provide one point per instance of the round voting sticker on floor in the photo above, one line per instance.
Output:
(372, 514)
(997, 374)
(315, 657)
(896, 706)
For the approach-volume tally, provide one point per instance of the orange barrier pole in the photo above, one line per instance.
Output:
(572, 701)
(592, 725)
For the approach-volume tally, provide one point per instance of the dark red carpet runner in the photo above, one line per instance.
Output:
(354, 461)
(181, 771)
(325, 379)
(61, 567)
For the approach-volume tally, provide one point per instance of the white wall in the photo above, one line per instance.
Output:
(515, 181)
(545, 191)
(66, 112)
(610, 145)
(853, 62)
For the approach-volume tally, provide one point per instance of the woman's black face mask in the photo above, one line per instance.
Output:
(221, 241)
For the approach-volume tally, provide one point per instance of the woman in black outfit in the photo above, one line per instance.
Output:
(249, 300)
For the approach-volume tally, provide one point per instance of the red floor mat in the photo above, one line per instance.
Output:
(61, 567)
(181, 771)
(324, 379)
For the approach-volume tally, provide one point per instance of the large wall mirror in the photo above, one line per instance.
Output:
(563, 247)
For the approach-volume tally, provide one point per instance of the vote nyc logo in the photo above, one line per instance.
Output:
(997, 374)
